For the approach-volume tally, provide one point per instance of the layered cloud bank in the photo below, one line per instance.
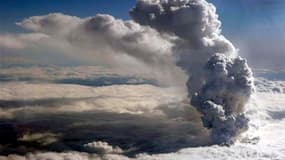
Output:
(59, 121)
(66, 118)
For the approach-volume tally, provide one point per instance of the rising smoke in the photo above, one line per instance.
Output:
(161, 33)
(219, 83)
(227, 87)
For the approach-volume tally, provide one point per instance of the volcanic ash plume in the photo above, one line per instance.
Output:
(161, 32)
(220, 90)
(226, 89)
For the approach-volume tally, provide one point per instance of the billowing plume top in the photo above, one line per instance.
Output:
(194, 23)
(188, 19)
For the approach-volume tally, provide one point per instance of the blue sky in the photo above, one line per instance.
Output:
(242, 15)
(235, 14)
(253, 25)
(12, 11)
(257, 28)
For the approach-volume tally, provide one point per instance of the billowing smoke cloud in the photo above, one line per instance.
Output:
(227, 88)
(196, 25)
(164, 33)
(219, 90)
(104, 33)
(110, 41)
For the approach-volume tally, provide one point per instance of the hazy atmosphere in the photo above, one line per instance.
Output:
(145, 79)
